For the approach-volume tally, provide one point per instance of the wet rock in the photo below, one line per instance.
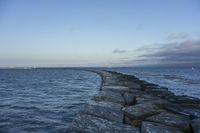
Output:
(130, 98)
(151, 127)
(196, 125)
(170, 119)
(103, 112)
(110, 97)
(141, 111)
(90, 124)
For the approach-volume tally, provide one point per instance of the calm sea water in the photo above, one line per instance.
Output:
(43, 100)
(181, 81)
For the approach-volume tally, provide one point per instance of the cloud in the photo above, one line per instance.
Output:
(119, 51)
(185, 52)
(178, 36)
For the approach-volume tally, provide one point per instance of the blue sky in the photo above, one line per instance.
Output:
(98, 33)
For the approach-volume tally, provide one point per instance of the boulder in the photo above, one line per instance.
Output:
(170, 119)
(196, 125)
(136, 113)
(151, 127)
(109, 97)
(89, 124)
(103, 112)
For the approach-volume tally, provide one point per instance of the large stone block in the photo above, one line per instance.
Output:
(191, 110)
(119, 89)
(90, 124)
(146, 98)
(133, 85)
(170, 119)
(110, 97)
(151, 127)
(106, 104)
(130, 98)
(196, 125)
(141, 111)
(103, 112)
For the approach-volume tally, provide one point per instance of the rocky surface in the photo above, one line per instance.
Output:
(126, 104)
(89, 124)
(150, 127)
(196, 125)
(170, 119)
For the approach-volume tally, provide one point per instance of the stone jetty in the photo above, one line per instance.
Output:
(126, 104)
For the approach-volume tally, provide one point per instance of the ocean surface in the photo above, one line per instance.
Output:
(181, 81)
(43, 100)
(46, 100)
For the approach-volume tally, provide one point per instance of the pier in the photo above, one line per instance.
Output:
(126, 104)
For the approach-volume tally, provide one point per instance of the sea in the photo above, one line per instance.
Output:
(46, 100)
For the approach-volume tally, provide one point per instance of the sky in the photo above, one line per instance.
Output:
(99, 33)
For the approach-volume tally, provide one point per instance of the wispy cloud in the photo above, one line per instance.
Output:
(178, 36)
(119, 51)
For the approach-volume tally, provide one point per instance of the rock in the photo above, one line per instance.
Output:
(150, 99)
(196, 125)
(103, 112)
(134, 85)
(184, 100)
(184, 110)
(119, 89)
(73, 132)
(130, 98)
(90, 124)
(163, 93)
(106, 104)
(150, 127)
(110, 97)
(134, 114)
(170, 119)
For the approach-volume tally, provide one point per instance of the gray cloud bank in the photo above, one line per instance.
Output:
(178, 53)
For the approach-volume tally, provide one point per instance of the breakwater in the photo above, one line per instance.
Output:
(126, 104)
